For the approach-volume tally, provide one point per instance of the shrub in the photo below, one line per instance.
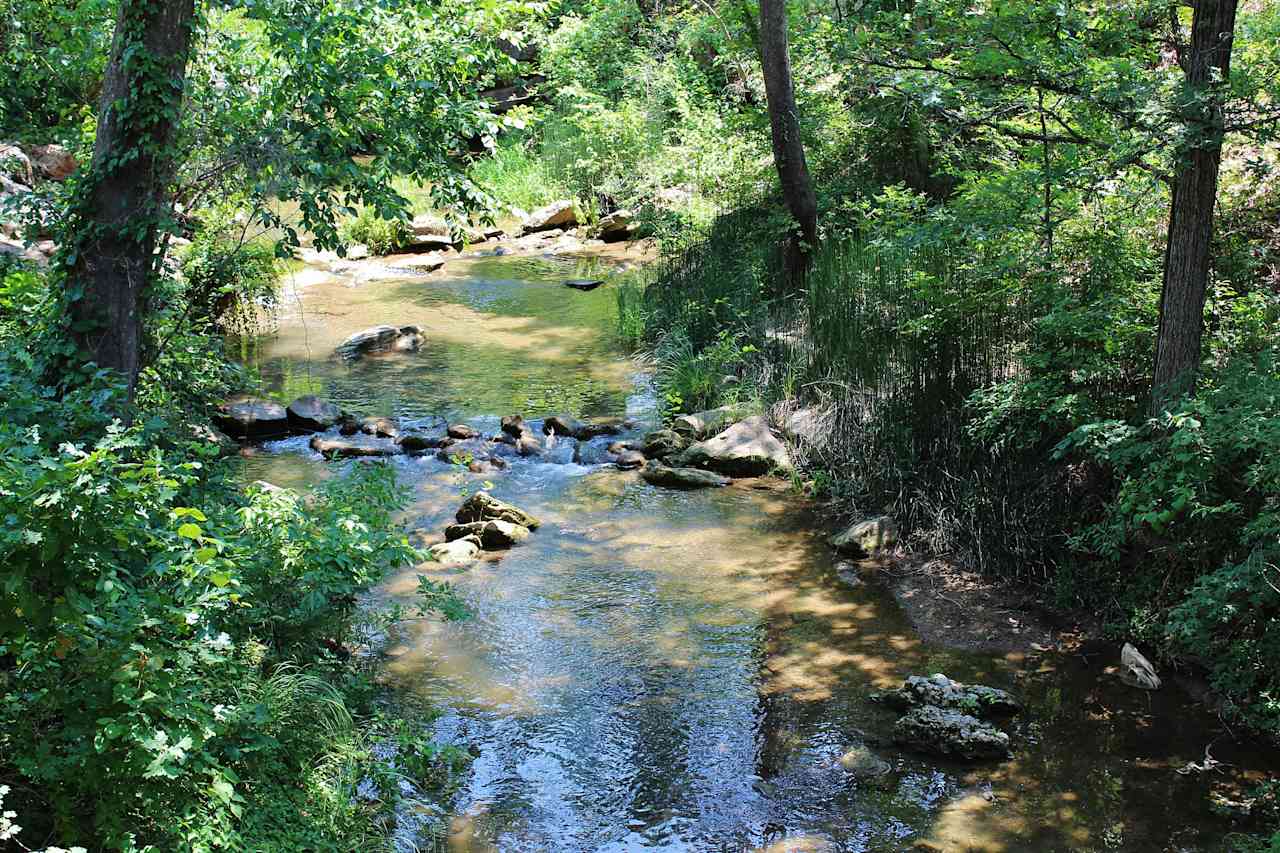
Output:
(229, 278)
(381, 236)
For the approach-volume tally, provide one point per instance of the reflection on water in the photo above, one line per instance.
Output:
(684, 670)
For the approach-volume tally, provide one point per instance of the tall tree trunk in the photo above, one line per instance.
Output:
(784, 124)
(1206, 64)
(123, 200)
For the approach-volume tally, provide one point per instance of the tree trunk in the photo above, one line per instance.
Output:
(784, 124)
(123, 201)
(1195, 192)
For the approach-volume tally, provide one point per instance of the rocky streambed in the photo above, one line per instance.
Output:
(666, 651)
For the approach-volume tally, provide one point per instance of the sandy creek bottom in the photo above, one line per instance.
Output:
(684, 670)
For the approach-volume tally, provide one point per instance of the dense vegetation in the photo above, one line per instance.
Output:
(975, 320)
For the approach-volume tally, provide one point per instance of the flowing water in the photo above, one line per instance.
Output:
(685, 670)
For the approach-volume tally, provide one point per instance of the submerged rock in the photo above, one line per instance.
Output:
(344, 448)
(312, 414)
(484, 507)
(867, 538)
(584, 283)
(748, 449)
(951, 734)
(681, 478)
(861, 763)
(381, 339)
(942, 692)
(243, 416)
(492, 534)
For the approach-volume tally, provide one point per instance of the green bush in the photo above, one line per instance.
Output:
(170, 648)
(228, 278)
(381, 236)
(1194, 520)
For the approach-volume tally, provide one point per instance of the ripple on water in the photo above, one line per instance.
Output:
(684, 670)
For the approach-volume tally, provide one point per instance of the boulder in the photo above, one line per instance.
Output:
(1136, 670)
(312, 414)
(681, 478)
(465, 452)
(492, 534)
(379, 426)
(15, 164)
(347, 448)
(462, 432)
(617, 226)
(941, 692)
(348, 424)
(662, 443)
(52, 161)
(748, 449)
(515, 426)
(594, 429)
(454, 553)
(867, 538)
(699, 425)
(629, 459)
(484, 507)
(950, 734)
(558, 214)
(809, 426)
(243, 416)
(381, 339)
(562, 425)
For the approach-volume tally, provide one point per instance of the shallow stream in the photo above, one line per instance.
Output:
(685, 670)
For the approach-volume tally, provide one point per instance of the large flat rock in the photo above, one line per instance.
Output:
(746, 449)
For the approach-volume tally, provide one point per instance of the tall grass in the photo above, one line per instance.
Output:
(888, 346)
(520, 176)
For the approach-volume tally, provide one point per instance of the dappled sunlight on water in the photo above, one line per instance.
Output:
(686, 670)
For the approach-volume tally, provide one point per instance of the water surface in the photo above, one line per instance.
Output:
(684, 670)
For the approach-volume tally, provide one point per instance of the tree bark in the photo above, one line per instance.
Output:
(123, 201)
(1206, 65)
(784, 125)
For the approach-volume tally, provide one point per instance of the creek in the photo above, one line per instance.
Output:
(671, 670)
